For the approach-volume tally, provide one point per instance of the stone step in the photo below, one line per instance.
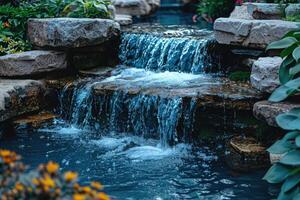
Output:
(207, 90)
(36, 120)
(18, 97)
(268, 111)
(64, 33)
(32, 63)
(124, 20)
(251, 33)
(136, 7)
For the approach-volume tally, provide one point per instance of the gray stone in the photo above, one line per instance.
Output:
(18, 97)
(251, 33)
(292, 10)
(132, 7)
(264, 10)
(240, 12)
(71, 32)
(32, 63)
(268, 111)
(124, 20)
(264, 74)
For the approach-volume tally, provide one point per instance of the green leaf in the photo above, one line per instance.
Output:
(287, 51)
(291, 182)
(285, 90)
(288, 195)
(297, 141)
(284, 75)
(294, 70)
(296, 54)
(283, 43)
(285, 144)
(277, 173)
(292, 158)
(290, 120)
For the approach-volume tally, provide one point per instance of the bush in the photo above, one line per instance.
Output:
(44, 183)
(214, 9)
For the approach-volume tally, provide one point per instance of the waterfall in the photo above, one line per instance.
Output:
(158, 53)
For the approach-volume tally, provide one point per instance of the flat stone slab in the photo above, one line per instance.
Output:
(265, 74)
(71, 32)
(209, 91)
(18, 97)
(251, 33)
(268, 111)
(246, 154)
(135, 7)
(32, 63)
(124, 20)
(36, 120)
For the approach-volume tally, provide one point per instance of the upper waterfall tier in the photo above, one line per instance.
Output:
(166, 52)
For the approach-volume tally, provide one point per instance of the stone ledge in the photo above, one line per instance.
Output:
(66, 33)
(32, 63)
(19, 97)
(268, 111)
(251, 33)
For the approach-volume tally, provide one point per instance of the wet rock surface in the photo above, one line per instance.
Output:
(251, 33)
(264, 74)
(246, 154)
(209, 91)
(268, 111)
(70, 32)
(32, 63)
(18, 97)
(35, 121)
(136, 7)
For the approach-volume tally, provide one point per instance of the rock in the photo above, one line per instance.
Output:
(251, 33)
(19, 97)
(124, 20)
(274, 158)
(246, 154)
(32, 63)
(292, 10)
(96, 72)
(35, 121)
(264, 10)
(268, 111)
(264, 74)
(71, 32)
(240, 12)
(136, 7)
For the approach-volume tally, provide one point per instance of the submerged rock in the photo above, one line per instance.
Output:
(18, 97)
(246, 154)
(32, 63)
(251, 33)
(268, 111)
(70, 32)
(264, 74)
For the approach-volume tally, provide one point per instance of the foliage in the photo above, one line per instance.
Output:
(290, 67)
(214, 9)
(295, 18)
(239, 76)
(45, 183)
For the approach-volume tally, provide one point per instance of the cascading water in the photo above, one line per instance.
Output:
(158, 53)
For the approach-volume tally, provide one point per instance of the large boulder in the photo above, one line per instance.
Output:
(292, 10)
(66, 33)
(32, 63)
(264, 74)
(268, 111)
(18, 97)
(136, 7)
(251, 33)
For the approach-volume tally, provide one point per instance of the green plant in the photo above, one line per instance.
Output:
(239, 76)
(214, 9)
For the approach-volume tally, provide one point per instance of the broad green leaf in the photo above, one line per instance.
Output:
(290, 120)
(288, 51)
(297, 141)
(285, 90)
(285, 144)
(295, 70)
(292, 158)
(291, 182)
(288, 195)
(283, 43)
(296, 54)
(287, 63)
(277, 173)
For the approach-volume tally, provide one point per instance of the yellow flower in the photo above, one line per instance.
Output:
(102, 196)
(70, 176)
(5, 153)
(19, 187)
(97, 185)
(86, 189)
(47, 181)
(52, 167)
(78, 197)
(35, 181)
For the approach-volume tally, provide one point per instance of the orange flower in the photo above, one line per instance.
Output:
(78, 197)
(48, 182)
(6, 25)
(5, 153)
(19, 187)
(86, 189)
(52, 167)
(35, 181)
(70, 176)
(102, 196)
(97, 185)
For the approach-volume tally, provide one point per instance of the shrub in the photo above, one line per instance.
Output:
(44, 183)
(214, 9)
